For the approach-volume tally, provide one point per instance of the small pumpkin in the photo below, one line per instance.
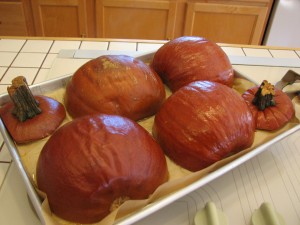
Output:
(30, 117)
(271, 108)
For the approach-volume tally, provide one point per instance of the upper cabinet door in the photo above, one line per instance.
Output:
(135, 19)
(60, 18)
(238, 24)
(16, 18)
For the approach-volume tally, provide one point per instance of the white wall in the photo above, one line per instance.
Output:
(284, 27)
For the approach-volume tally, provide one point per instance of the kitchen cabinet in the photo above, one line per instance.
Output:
(63, 18)
(146, 19)
(15, 18)
(227, 21)
(235, 21)
(239, 22)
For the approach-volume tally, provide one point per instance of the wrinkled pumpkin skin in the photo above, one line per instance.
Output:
(114, 84)
(38, 127)
(187, 59)
(202, 123)
(93, 160)
(273, 117)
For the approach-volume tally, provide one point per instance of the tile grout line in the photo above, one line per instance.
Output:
(2, 145)
(5, 176)
(271, 53)
(79, 45)
(243, 50)
(137, 46)
(39, 68)
(9, 66)
(77, 49)
(1, 148)
(4, 73)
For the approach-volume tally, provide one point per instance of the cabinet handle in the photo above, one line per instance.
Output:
(83, 35)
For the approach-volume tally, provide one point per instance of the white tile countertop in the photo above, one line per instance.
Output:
(272, 176)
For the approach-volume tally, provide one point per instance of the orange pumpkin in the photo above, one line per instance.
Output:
(91, 163)
(38, 127)
(187, 59)
(114, 84)
(276, 114)
(202, 123)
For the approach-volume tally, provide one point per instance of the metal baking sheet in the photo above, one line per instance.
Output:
(36, 89)
(149, 209)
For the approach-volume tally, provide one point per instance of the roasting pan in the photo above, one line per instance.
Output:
(162, 201)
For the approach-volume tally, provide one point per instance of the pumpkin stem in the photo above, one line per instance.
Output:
(25, 105)
(264, 96)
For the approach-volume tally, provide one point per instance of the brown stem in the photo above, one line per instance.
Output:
(264, 96)
(25, 105)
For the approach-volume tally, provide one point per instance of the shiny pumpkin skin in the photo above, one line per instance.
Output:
(202, 123)
(273, 117)
(187, 59)
(93, 160)
(38, 127)
(114, 84)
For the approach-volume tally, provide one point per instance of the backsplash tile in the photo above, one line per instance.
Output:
(6, 58)
(49, 60)
(124, 46)
(28, 73)
(58, 45)
(2, 71)
(29, 60)
(11, 45)
(233, 51)
(257, 52)
(283, 53)
(147, 47)
(94, 45)
(41, 76)
(37, 46)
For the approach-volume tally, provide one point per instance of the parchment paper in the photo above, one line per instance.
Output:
(178, 179)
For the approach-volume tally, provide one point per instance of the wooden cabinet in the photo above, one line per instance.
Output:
(15, 18)
(238, 22)
(234, 21)
(227, 21)
(146, 19)
(62, 18)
